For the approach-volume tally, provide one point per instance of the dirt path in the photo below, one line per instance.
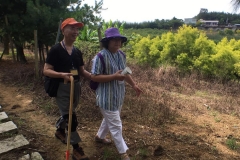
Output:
(196, 132)
(39, 130)
(38, 127)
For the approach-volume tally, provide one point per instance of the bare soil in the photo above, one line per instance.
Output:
(177, 117)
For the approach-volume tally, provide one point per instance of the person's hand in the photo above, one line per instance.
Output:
(138, 90)
(119, 76)
(66, 77)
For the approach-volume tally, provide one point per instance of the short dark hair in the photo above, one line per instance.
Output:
(105, 44)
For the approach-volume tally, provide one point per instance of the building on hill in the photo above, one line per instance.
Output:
(212, 23)
(190, 20)
(236, 27)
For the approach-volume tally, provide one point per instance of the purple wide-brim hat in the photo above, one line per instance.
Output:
(113, 33)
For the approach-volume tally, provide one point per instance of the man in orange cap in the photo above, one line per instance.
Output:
(63, 61)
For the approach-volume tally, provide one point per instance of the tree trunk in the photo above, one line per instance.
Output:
(43, 57)
(10, 39)
(20, 53)
(6, 44)
(40, 47)
(40, 53)
(36, 54)
(1, 57)
(100, 37)
(46, 49)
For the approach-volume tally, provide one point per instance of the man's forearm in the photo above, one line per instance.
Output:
(86, 74)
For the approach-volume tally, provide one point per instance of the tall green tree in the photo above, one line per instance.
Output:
(25, 16)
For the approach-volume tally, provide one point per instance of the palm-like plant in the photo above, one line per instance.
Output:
(88, 34)
(110, 24)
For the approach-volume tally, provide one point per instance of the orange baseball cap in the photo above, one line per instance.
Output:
(71, 21)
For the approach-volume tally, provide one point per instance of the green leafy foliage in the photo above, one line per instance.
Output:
(88, 34)
(224, 18)
(142, 49)
(203, 49)
(132, 40)
(168, 49)
(88, 40)
(173, 23)
(184, 62)
(223, 62)
(185, 39)
(190, 50)
(25, 16)
(229, 31)
(106, 25)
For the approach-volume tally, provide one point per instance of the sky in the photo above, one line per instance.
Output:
(149, 10)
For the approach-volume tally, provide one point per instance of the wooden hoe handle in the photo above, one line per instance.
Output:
(70, 116)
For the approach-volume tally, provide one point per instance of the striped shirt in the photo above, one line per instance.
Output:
(109, 95)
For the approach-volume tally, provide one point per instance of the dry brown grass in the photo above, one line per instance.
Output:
(185, 115)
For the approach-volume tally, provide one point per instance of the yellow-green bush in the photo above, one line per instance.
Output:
(190, 49)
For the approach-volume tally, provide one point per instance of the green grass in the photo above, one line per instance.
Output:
(232, 144)
(107, 153)
(143, 152)
(20, 122)
(217, 119)
(214, 113)
(145, 32)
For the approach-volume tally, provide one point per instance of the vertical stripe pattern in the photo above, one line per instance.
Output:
(109, 95)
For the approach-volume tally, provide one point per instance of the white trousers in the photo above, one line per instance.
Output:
(112, 122)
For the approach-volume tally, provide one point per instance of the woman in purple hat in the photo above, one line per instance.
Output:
(111, 89)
